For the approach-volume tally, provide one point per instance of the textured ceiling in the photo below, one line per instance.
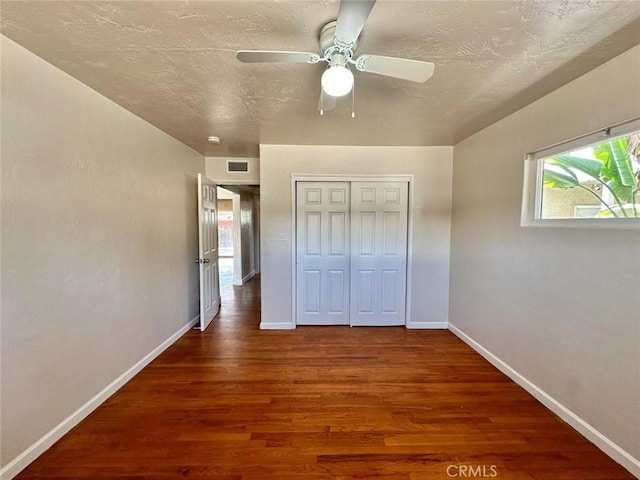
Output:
(173, 63)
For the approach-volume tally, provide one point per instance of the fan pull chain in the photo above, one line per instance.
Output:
(321, 102)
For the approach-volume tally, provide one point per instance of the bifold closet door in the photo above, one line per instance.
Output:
(322, 255)
(379, 212)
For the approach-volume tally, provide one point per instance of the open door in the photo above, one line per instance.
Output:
(208, 251)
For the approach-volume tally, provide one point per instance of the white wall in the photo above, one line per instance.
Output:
(561, 306)
(216, 169)
(244, 237)
(246, 234)
(99, 233)
(432, 203)
(256, 234)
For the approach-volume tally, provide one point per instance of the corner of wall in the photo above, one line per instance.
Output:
(605, 444)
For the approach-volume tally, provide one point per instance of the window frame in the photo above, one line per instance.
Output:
(531, 215)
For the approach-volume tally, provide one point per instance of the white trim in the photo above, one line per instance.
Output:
(351, 177)
(276, 326)
(428, 325)
(614, 223)
(409, 264)
(22, 461)
(529, 191)
(341, 177)
(294, 249)
(618, 454)
(248, 276)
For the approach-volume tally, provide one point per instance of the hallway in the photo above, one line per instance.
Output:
(226, 276)
(319, 403)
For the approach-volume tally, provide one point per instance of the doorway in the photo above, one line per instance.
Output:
(238, 233)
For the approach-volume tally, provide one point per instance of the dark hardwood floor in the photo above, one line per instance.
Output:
(320, 403)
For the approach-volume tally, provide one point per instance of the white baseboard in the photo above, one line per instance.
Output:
(431, 325)
(412, 325)
(23, 460)
(276, 326)
(618, 454)
(248, 276)
(244, 279)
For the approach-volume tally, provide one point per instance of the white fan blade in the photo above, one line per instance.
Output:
(263, 56)
(413, 70)
(351, 18)
(326, 102)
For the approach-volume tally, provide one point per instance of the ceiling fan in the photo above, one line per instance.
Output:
(338, 42)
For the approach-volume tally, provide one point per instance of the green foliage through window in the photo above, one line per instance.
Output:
(609, 172)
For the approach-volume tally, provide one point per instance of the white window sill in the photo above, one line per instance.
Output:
(606, 223)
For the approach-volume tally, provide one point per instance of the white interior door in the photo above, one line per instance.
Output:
(322, 255)
(379, 212)
(208, 251)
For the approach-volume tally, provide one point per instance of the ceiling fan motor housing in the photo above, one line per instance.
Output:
(328, 45)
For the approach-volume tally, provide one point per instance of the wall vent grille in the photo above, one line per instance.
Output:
(237, 166)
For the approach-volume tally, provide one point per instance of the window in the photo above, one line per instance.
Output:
(588, 181)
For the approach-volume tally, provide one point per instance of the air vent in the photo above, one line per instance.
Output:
(237, 166)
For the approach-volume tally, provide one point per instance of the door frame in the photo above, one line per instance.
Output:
(254, 250)
(319, 177)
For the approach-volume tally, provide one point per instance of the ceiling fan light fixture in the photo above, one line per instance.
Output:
(337, 80)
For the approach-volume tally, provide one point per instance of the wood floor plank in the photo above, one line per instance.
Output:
(319, 403)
